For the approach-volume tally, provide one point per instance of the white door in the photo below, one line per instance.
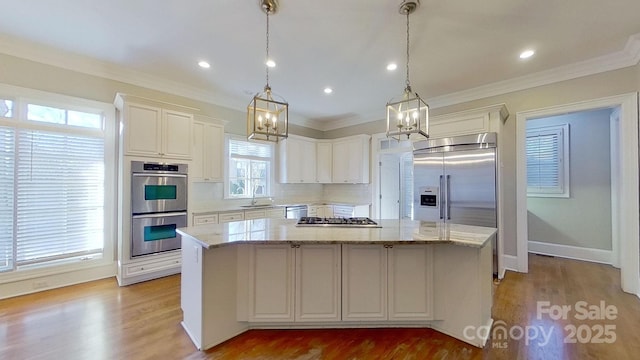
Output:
(389, 186)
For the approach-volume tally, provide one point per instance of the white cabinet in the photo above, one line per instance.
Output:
(205, 219)
(276, 213)
(351, 210)
(410, 282)
(255, 214)
(318, 289)
(364, 282)
(351, 160)
(323, 211)
(294, 283)
(383, 282)
(155, 129)
(324, 162)
(226, 217)
(297, 160)
(208, 152)
(271, 283)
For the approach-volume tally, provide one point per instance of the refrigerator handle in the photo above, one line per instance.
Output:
(441, 197)
(448, 196)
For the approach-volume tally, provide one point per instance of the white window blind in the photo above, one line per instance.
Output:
(7, 161)
(60, 196)
(547, 173)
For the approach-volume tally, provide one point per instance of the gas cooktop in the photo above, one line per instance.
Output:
(337, 222)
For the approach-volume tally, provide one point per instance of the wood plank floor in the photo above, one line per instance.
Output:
(100, 320)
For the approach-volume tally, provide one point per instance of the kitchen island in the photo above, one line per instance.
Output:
(269, 273)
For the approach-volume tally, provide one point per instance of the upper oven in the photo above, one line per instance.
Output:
(158, 187)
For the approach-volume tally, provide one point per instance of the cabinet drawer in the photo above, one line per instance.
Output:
(312, 211)
(255, 214)
(342, 211)
(277, 213)
(231, 216)
(142, 268)
(205, 219)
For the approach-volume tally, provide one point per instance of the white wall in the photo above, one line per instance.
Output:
(583, 219)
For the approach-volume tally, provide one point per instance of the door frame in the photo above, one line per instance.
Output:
(375, 168)
(626, 182)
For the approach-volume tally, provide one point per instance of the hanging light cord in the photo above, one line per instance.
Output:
(407, 81)
(267, 59)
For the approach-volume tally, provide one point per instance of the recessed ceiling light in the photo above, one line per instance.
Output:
(328, 90)
(270, 63)
(392, 66)
(527, 54)
(203, 64)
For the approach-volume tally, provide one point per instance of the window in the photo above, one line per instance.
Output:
(548, 161)
(250, 166)
(53, 186)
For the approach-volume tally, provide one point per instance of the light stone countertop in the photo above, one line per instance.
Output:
(285, 231)
(238, 207)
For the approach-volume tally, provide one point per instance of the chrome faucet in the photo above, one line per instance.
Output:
(253, 194)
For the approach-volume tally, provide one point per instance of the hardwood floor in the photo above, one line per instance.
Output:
(100, 320)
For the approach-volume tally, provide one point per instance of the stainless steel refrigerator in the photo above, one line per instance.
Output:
(455, 181)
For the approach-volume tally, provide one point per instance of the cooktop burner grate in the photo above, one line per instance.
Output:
(337, 222)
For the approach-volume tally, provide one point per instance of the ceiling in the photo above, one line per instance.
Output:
(455, 45)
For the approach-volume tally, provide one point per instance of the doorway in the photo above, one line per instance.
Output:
(625, 206)
(396, 185)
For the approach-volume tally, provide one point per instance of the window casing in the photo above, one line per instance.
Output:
(249, 165)
(55, 156)
(547, 151)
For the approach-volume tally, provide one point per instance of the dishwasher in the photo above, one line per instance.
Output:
(296, 211)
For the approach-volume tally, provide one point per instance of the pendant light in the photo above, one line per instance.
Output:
(407, 114)
(268, 113)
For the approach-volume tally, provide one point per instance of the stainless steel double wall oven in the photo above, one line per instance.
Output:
(158, 206)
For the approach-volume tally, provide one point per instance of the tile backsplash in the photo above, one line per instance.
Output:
(211, 195)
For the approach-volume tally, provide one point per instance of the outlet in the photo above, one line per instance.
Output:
(40, 284)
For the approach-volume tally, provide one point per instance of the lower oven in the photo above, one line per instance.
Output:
(154, 233)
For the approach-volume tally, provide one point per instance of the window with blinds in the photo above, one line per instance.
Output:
(52, 187)
(249, 165)
(548, 161)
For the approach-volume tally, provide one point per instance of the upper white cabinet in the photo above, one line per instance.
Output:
(208, 152)
(297, 160)
(486, 119)
(344, 160)
(351, 160)
(155, 129)
(324, 162)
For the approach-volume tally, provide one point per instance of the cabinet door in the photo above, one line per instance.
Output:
(213, 152)
(297, 161)
(307, 161)
(364, 283)
(143, 130)
(177, 134)
(324, 159)
(271, 283)
(410, 279)
(340, 168)
(276, 213)
(255, 214)
(317, 283)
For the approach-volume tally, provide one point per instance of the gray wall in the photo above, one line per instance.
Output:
(583, 219)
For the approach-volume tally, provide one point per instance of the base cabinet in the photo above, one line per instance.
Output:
(384, 282)
(294, 283)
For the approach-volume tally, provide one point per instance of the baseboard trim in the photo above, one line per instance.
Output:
(509, 262)
(571, 252)
(56, 280)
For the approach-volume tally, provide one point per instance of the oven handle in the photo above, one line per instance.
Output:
(159, 175)
(159, 215)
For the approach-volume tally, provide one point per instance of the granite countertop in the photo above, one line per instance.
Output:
(285, 231)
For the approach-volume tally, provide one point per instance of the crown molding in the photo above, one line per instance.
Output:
(629, 56)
